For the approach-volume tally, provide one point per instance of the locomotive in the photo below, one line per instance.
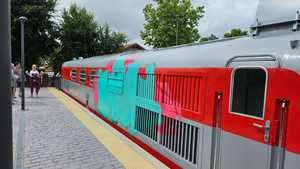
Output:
(225, 104)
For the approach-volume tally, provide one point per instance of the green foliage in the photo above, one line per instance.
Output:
(82, 37)
(41, 31)
(171, 20)
(109, 41)
(78, 33)
(57, 59)
(235, 32)
(209, 38)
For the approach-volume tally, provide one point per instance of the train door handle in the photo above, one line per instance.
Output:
(266, 128)
(257, 125)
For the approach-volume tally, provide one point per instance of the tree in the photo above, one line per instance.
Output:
(57, 59)
(78, 33)
(109, 41)
(41, 31)
(235, 32)
(172, 22)
(82, 37)
(209, 38)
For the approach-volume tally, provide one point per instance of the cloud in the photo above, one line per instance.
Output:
(223, 15)
(127, 15)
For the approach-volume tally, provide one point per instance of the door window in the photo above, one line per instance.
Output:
(248, 92)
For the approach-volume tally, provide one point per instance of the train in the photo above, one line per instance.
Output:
(225, 104)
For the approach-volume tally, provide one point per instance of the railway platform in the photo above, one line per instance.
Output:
(55, 132)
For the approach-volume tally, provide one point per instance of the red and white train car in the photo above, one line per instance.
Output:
(226, 104)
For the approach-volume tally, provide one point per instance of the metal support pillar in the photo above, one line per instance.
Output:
(22, 21)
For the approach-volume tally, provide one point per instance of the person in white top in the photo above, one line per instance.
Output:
(34, 80)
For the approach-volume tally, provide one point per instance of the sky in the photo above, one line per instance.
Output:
(127, 15)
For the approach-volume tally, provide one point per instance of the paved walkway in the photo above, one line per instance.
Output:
(58, 133)
(49, 136)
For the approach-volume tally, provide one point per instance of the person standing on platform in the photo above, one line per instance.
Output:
(13, 83)
(18, 73)
(34, 77)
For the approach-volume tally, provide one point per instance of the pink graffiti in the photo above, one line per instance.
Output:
(109, 66)
(143, 73)
(169, 105)
(127, 62)
(164, 97)
(95, 91)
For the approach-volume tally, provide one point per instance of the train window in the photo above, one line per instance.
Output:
(248, 91)
(116, 82)
(93, 75)
(73, 75)
(82, 76)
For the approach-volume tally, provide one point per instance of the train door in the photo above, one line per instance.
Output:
(244, 140)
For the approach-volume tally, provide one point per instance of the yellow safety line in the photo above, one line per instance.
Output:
(128, 157)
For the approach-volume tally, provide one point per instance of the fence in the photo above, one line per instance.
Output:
(54, 81)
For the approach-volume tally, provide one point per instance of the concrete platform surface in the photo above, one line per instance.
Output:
(48, 136)
(55, 132)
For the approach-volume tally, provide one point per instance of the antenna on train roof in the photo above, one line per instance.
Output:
(296, 25)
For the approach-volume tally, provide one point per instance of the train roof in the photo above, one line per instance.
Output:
(284, 48)
(274, 42)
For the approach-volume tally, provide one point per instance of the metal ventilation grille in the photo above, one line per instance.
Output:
(145, 86)
(146, 122)
(182, 91)
(179, 137)
(177, 90)
(74, 75)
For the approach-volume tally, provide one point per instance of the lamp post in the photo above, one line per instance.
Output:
(6, 155)
(22, 20)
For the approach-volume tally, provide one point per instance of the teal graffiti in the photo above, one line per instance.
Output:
(117, 92)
